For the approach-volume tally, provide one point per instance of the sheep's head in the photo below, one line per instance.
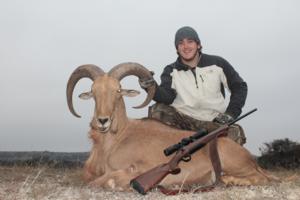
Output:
(107, 92)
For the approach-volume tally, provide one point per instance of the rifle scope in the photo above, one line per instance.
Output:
(185, 141)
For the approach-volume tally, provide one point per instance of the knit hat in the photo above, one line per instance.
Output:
(186, 32)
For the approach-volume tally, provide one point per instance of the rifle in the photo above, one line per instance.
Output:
(149, 179)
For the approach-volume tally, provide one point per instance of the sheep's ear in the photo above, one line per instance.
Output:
(86, 95)
(129, 93)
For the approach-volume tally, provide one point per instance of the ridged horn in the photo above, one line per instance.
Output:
(126, 69)
(83, 71)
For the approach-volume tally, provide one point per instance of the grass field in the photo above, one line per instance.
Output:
(41, 183)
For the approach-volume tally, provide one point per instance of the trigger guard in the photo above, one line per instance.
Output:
(176, 171)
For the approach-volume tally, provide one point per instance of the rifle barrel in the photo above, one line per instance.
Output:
(241, 117)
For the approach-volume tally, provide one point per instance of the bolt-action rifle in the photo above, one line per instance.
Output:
(148, 180)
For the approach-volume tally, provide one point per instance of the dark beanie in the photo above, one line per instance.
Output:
(186, 32)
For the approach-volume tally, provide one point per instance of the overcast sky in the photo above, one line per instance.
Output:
(42, 42)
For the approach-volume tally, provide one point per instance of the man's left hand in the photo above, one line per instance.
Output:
(223, 118)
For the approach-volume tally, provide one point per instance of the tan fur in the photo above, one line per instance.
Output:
(131, 147)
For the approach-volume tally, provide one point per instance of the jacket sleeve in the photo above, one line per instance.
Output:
(238, 89)
(164, 92)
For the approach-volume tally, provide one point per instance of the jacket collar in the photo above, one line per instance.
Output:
(181, 66)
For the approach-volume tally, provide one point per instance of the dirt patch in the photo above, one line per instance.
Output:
(19, 182)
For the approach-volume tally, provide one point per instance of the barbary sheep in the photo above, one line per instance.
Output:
(123, 148)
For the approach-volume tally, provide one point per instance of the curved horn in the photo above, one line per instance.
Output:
(125, 69)
(89, 71)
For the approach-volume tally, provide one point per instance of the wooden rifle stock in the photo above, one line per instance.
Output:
(146, 181)
(149, 179)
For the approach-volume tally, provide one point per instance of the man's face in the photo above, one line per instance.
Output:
(187, 49)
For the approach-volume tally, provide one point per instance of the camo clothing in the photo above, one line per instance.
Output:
(170, 116)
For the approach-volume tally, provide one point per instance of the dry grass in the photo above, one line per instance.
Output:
(50, 183)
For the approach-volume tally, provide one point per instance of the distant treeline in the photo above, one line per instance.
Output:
(35, 158)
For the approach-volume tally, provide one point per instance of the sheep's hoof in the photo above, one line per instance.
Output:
(111, 183)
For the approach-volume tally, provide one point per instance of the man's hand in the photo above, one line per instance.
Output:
(146, 83)
(223, 118)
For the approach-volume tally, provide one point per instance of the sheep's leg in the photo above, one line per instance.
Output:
(87, 175)
(116, 180)
(93, 167)
(91, 171)
(256, 176)
(240, 169)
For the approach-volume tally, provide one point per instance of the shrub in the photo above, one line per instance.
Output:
(282, 153)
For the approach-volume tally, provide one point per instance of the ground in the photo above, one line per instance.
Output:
(42, 183)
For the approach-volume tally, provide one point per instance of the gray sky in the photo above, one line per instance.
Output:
(42, 42)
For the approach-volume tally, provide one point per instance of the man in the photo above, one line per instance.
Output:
(191, 94)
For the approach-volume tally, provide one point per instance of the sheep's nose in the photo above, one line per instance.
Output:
(102, 120)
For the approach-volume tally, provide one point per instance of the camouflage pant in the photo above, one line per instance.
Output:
(170, 116)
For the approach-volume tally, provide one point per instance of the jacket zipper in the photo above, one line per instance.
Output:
(202, 80)
(195, 77)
